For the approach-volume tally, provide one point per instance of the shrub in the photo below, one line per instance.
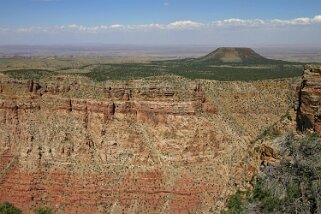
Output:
(293, 186)
(192, 71)
(7, 208)
(45, 210)
(236, 203)
(26, 74)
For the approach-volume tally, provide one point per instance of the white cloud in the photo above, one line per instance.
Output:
(115, 26)
(273, 22)
(297, 21)
(177, 25)
(32, 29)
(239, 22)
(186, 24)
(317, 18)
(301, 21)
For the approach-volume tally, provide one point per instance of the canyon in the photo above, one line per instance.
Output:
(155, 145)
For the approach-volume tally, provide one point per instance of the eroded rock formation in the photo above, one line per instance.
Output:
(308, 103)
(143, 146)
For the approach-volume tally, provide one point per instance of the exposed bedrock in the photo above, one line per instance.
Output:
(308, 103)
(143, 146)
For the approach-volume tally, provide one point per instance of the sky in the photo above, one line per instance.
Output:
(161, 22)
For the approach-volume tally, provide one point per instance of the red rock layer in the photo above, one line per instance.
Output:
(309, 100)
(70, 192)
(136, 148)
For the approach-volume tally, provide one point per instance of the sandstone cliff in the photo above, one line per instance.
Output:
(164, 145)
(309, 100)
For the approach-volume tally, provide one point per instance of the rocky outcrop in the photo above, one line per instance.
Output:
(308, 103)
(269, 156)
(140, 146)
(146, 103)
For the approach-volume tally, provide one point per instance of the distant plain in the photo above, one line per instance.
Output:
(114, 62)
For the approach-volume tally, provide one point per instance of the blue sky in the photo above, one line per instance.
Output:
(20, 13)
(163, 21)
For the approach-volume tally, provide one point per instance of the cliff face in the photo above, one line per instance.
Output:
(309, 100)
(143, 146)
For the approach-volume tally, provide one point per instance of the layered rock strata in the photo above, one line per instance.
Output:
(308, 104)
(143, 146)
